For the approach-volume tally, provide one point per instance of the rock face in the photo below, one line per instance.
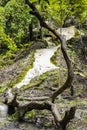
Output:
(69, 32)
(3, 111)
(42, 57)
(80, 114)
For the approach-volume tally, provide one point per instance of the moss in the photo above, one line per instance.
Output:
(13, 117)
(2, 89)
(30, 114)
(55, 58)
(48, 124)
(2, 63)
(85, 119)
(71, 128)
(21, 76)
(23, 72)
(77, 33)
(41, 82)
(8, 57)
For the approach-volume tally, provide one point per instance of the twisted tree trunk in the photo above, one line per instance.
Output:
(70, 76)
(49, 104)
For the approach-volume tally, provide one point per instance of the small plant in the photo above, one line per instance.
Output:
(30, 114)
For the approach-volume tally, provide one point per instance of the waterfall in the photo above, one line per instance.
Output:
(42, 64)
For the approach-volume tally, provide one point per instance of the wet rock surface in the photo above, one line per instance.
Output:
(3, 112)
(44, 86)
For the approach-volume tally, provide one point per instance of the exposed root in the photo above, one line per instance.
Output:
(48, 105)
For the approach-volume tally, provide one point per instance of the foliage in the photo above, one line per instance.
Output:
(2, 18)
(17, 20)
(31, 114)
(6, 43)
(79, 9)
(3, 2)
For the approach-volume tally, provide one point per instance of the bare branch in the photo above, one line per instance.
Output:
(68, 82)
(34, 98)
(48, 105)
(24, 108)
(69, 115)
(56, 114)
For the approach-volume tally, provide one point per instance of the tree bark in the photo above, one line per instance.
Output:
(70, 76)
(48, 105)
(68, 116)
(31, 31)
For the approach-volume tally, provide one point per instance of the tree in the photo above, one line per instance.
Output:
(6, 43)
(17, 20)
(67, 10)
(50, 103)
(3, 2)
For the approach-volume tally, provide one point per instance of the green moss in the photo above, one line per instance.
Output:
(41, 82)
(22, 74)
(71, 128)
(13, 117)
(48, 124)
(77, 33)
(2, 89)
(2, 63)
(31, 114)
(85, 119)
(55, 58)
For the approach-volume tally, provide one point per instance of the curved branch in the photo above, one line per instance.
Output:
(70, 76)
(48, 105)
(69, 115)
(23, 109)
(34, 98)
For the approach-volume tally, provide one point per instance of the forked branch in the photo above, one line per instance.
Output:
(23, 108)
(69, 80)
(48, 105)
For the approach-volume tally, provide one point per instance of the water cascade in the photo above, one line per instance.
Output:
(42, 64)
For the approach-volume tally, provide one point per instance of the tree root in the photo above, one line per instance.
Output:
(41, 105)
(48, 105)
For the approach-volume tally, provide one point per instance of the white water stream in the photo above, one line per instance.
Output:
(42, 64)
(42, 58)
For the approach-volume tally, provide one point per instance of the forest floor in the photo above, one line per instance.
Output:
(45, 86)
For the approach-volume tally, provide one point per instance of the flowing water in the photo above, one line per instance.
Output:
(42, 64)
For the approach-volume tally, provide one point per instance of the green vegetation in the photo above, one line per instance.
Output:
(21, 34)
(15, 22)
(15, 18)
(19, 77)
(31, 114)
(2, 89)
